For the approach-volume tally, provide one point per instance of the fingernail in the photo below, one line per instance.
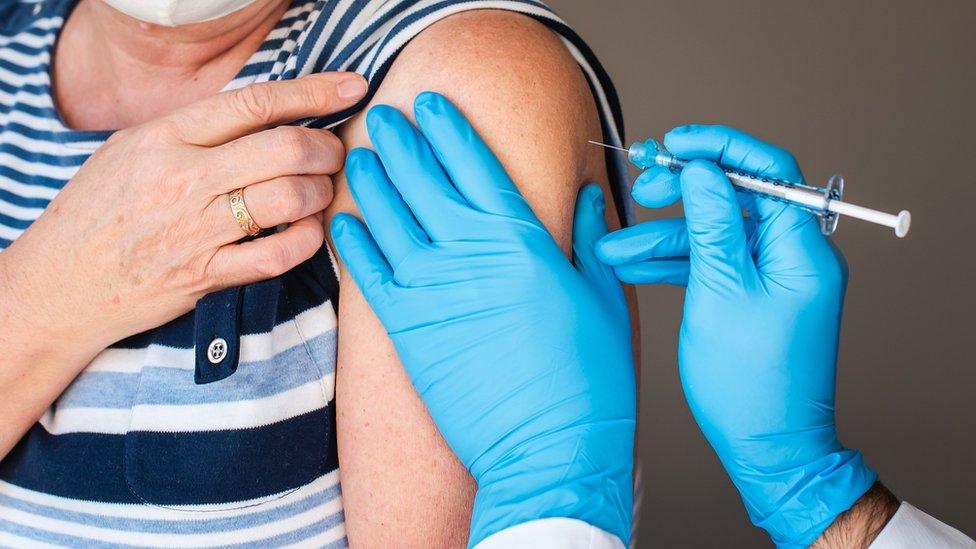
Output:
(599, 204)
(352, 88)
(595, 196)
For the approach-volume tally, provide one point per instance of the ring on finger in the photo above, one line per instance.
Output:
(241, 215)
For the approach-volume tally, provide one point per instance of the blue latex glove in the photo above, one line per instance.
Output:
(523, 359)
(758, 342)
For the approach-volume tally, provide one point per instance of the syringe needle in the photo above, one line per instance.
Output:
(608, 146)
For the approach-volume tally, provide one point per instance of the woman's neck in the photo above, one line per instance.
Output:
(112, 71)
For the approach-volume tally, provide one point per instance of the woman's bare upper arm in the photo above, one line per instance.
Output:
(528, 99)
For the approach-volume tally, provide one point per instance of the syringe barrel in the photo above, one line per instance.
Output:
(651, 153)
(803, 197)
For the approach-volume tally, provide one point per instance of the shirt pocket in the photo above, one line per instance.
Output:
(253, 437)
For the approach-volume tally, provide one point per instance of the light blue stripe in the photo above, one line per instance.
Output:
(57, 538)
(174, 386)
(298, 535)
(201, 525)
(100, 390)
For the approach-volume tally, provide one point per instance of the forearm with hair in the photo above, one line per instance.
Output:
(857, 527)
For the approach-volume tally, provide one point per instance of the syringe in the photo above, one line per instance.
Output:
(825, 202)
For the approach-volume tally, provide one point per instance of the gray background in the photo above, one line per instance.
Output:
(882, 92)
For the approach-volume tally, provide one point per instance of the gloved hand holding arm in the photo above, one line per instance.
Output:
(522, 358)
(758, 341)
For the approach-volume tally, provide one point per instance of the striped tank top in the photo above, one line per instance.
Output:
(217, 428)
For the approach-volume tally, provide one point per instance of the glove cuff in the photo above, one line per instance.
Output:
(584, 472)
(829, 486)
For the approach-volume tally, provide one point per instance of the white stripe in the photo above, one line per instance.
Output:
(330, 24)
(37, 146)
(104, 421)
(10, 233)
(27, 191)
(29, 120)
(48, 23)
(214, 416)
(239, 414)
(23, 60)
(18, 212)
(41, 169)
(31, 40)
(35, 78)
(321, 540)
(173, 513)
(366, 15)
(10, 540)
(25, 97)
(373, 40)
(254, 347)
(209, 539)
(109, 421)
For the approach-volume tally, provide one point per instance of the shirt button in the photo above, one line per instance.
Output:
(217, 350)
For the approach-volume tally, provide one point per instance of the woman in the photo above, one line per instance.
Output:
(181, 381)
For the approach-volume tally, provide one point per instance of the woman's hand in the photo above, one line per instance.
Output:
(145, 228)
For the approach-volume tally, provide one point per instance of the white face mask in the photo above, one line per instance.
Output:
(172, 13)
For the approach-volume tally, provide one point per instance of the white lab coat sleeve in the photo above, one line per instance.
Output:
(910, 528)
(552, 533)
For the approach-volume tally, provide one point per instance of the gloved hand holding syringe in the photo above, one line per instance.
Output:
(824, 202)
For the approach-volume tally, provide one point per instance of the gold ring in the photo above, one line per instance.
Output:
(241, 214)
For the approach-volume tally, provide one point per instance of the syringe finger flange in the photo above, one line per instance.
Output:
(833, 191)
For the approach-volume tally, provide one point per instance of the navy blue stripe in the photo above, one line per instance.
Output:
(30, 89)
(40, 112)
(22, 70)
(22, 201)
(20, 47)
(176, 468)
(39, 180)
(78, 465)
(63, 160)
(14, 223)
(66, 137)
(255, 69)
(361, 37)
(332, 40)
(227, 466)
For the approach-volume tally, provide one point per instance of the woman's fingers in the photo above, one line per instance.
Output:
(277, 152)
(268, 256)
(231, 114)
(271, 203)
